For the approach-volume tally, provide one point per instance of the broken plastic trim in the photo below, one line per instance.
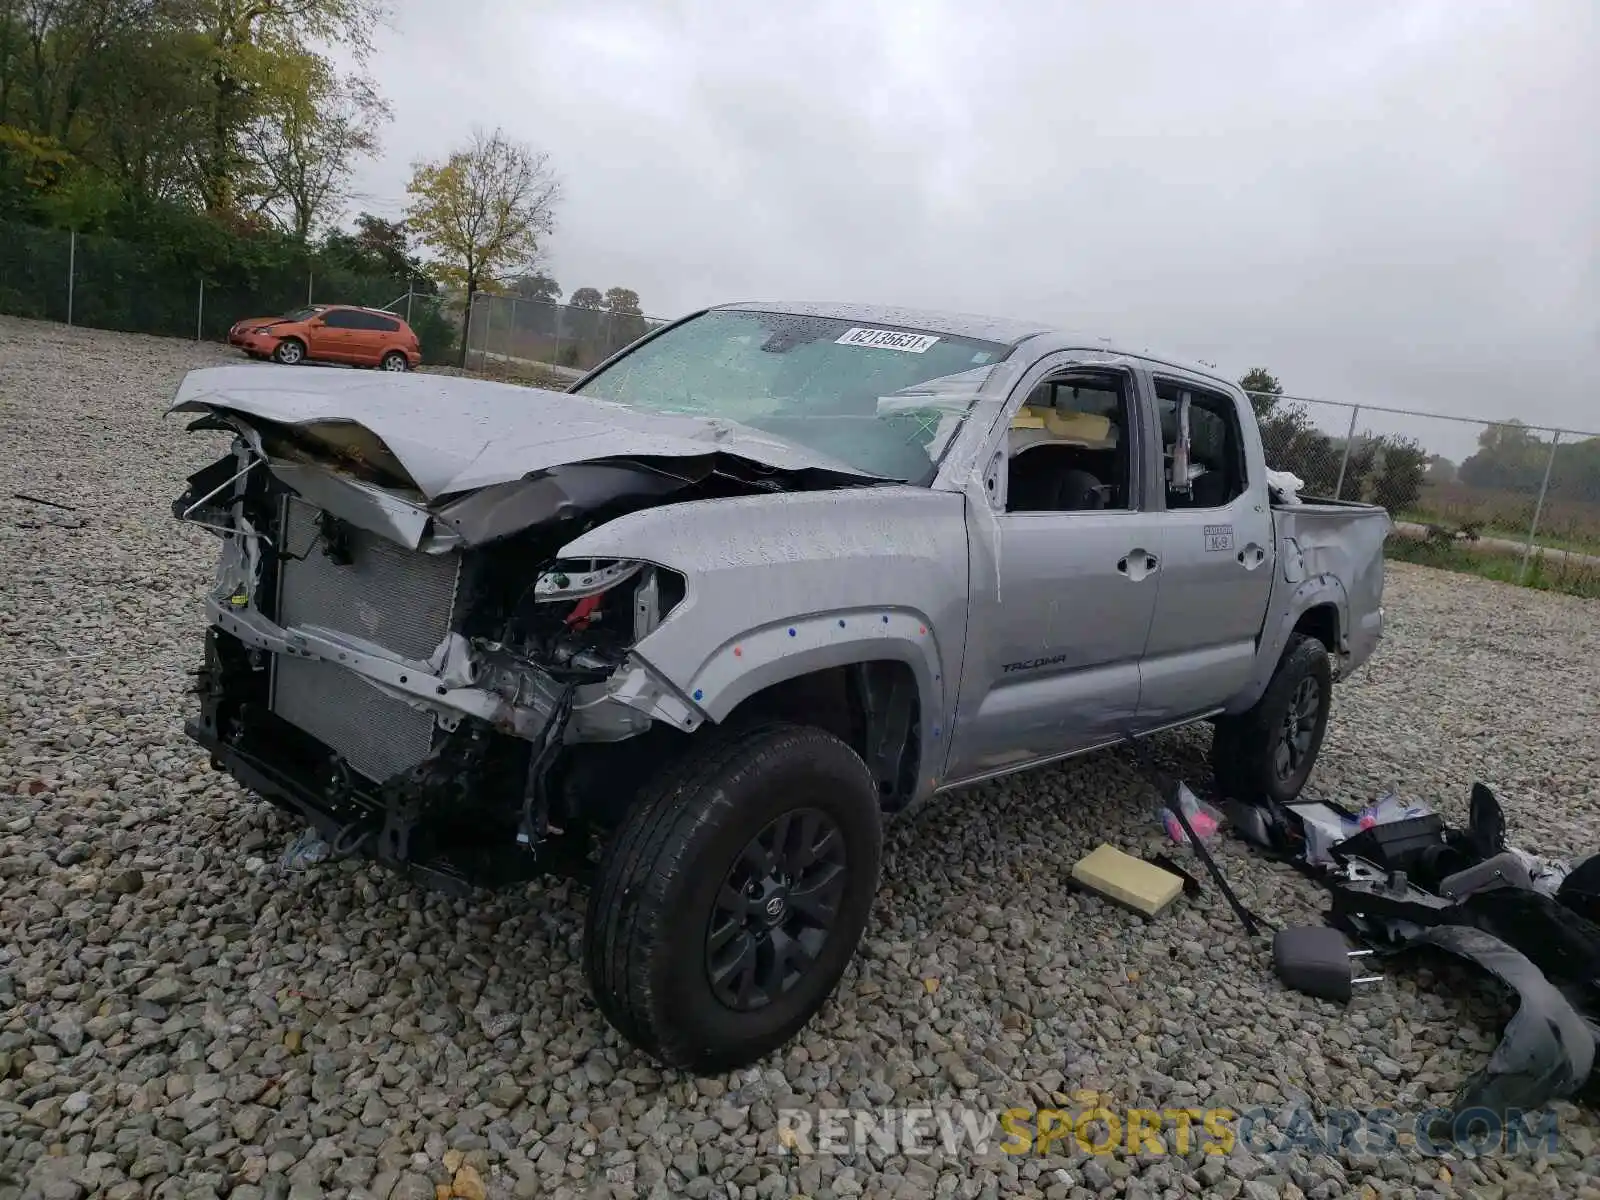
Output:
(1547, 1051)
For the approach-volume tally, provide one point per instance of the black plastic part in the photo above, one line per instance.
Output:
(1313, 959)
(1396, 846)
(1547, 1050)
(445, 868)
(1487, 829)
(1252, 923)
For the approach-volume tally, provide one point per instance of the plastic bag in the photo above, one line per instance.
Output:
(1388, 809)
(1202, 818)
(306, 850)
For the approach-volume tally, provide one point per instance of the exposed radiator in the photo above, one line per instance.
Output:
(398, 599)
(375, 733)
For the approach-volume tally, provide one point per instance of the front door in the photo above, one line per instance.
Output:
(1216, 574)
(1063, 594)
(331, 340)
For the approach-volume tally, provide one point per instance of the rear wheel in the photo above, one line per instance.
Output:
(730, 901)
(290, 352)
(394, 361)
(1267, 753)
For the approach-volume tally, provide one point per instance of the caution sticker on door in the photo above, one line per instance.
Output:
(1219, 538)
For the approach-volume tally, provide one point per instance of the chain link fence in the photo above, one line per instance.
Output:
(510, 336)
(1509, 500)
(106, 283)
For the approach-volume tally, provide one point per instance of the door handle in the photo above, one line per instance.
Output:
(1252, 556)
(1137, 564)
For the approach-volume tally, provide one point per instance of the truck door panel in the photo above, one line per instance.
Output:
(1062, 592)
(1217, 566)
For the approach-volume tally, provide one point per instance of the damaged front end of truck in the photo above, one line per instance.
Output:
(398, 654)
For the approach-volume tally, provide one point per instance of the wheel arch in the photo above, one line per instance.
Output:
(873, 706)
(1317, 607)
(881, 668)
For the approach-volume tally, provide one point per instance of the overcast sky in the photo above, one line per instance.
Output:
(1395, 202)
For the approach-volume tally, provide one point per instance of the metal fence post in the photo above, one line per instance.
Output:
(1538, 507)
(408, 302)
(466, 330)
(200, 311)
(1349, 440)
(311, 277)
(72, 269)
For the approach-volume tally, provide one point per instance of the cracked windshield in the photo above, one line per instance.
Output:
(858, 393)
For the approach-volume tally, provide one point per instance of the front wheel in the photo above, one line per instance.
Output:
(729, 903)
(290, 352)
(1267, 753)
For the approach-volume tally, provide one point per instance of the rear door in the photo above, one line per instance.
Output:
(376, 334)
(1217, 558)
(1062, 592)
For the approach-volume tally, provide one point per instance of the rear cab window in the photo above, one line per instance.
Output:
(1216, 444)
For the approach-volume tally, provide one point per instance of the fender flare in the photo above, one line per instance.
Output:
(1311, 593)
(772, 653)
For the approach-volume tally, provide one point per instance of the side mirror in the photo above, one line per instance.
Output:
(1178, 474)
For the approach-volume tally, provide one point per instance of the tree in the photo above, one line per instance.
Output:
(586, 297)
(483, 210)
(1263, 389)
(248, 47)
(233, 107)
(1510, 457)
(1440, 469)
(622, 302)
(537, 286)
(377, 247)
(302, 146)
(1397, 481)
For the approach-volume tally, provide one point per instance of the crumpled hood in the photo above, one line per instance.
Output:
(456, 435)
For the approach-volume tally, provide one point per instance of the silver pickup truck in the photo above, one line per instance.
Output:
(768, 578)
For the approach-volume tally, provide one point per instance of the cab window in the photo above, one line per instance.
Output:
(1068, 448)
(1216, 445)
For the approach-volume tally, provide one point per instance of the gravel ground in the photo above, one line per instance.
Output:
(181, 1017)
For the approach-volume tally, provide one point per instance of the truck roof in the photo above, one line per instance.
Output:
(1006, 330)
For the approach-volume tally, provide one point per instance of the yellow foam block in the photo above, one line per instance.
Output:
(1127, 880)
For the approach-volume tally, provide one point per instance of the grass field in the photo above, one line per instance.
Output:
(1550, 573)
(1565, 523)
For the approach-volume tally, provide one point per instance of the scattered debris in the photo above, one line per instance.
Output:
(46, 503)
(1129, 881)
(305, 851)
(1401, 879)
(1203, 819)
(1284, 487)
(1315, 959)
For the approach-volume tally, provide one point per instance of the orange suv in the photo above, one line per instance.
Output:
(341, 333)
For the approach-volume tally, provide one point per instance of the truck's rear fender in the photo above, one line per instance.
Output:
(1318, 607)
(1329, 585)
(782, 586)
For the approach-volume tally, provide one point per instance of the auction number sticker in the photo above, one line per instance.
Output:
(887, 339)
(1219, 538)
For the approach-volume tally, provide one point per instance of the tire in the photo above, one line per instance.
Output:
(394, 361)
(1253, 755)
(291, 352)
(672, 904)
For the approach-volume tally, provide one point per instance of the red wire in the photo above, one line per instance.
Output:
(583, 610)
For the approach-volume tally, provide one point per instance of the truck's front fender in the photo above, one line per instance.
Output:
(782, 585)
